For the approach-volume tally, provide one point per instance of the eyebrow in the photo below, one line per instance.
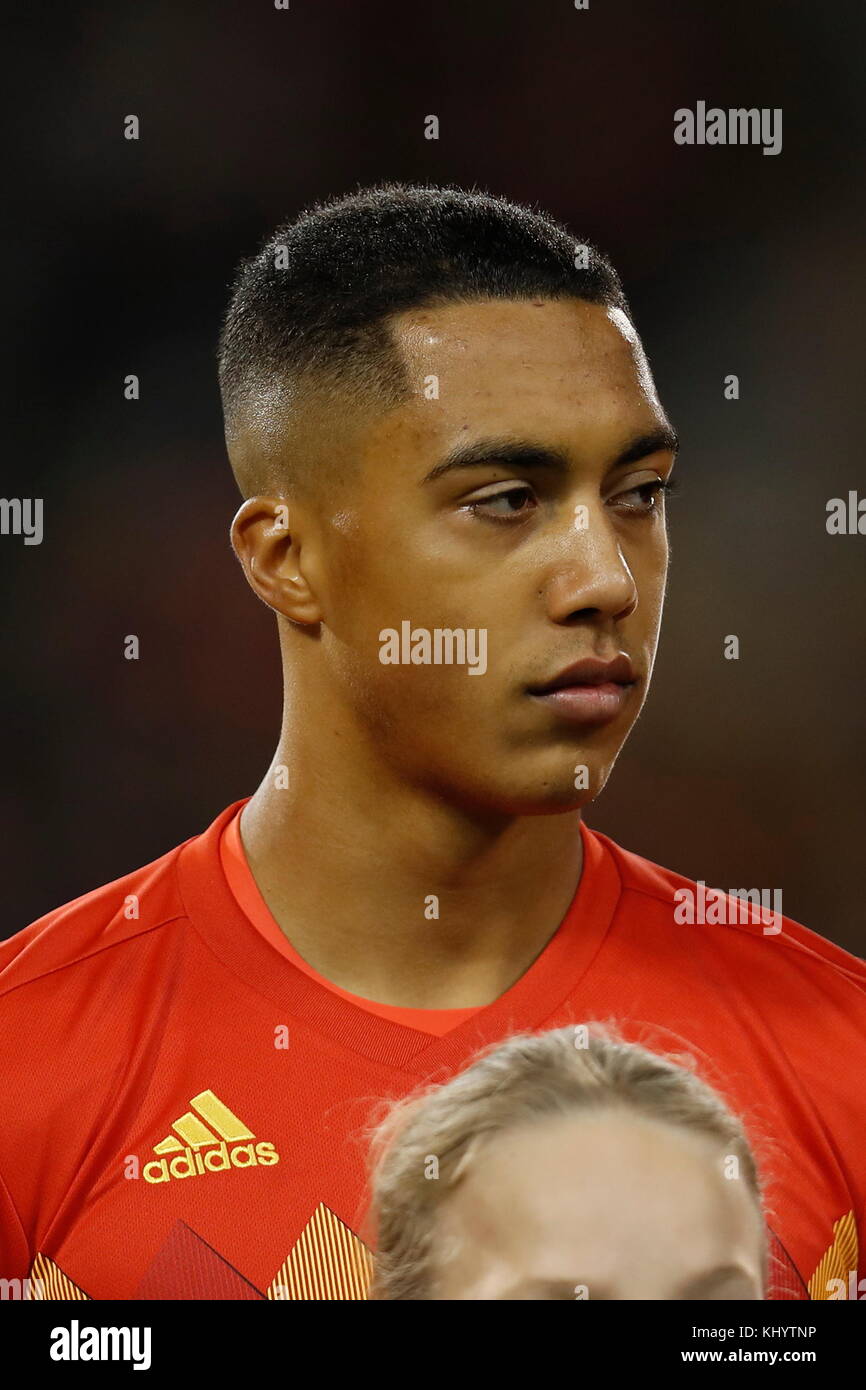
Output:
(704, 1283)
(522, 454)
(697, 1287)
(547, 1288)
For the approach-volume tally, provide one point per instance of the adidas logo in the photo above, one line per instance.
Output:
(212, 1127)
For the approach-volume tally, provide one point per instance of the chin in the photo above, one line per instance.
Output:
(556, 801)
(541, 796)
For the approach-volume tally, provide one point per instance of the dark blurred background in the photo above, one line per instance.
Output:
(117, 258)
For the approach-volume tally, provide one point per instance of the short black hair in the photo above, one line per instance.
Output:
(312, 306)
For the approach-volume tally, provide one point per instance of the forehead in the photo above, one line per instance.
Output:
(555, 365)
(595, 1184)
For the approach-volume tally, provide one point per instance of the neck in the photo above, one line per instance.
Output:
(395, 895)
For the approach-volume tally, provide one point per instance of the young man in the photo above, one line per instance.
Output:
(454, 461)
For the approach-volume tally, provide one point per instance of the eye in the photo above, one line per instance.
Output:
(645, 499)
(507, 505)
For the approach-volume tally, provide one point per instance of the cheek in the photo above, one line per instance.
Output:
(365, 593)
(650, 570)
(377, 603)
(385, 558)
(431, 705)
(437, 700)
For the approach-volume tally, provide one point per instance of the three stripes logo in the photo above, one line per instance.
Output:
(212, 1140)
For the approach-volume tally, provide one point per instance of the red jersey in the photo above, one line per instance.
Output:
(184, 1104)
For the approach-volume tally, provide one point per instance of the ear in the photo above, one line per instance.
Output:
(266, 536)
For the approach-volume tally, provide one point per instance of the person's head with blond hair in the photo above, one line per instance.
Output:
(567, 1164)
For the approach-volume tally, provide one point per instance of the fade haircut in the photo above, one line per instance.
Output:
(309, 315)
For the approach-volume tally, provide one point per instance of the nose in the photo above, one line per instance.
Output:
(588, 574)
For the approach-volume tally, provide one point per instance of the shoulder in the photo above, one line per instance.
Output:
(730, 920)
(92, 928)
(99, 933)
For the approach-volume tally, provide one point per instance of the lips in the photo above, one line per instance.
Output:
(589, 693)
(590, 672)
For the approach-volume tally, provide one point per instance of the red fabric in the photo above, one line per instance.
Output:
(112, 1024)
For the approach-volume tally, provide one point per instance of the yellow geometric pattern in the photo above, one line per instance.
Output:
(196, 1135)
(837, 1261)
(47, 1282)
(328, 1261)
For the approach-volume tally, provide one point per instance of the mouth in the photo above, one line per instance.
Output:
(589, 691)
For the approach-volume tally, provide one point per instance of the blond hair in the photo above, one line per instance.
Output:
(531, 1075)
